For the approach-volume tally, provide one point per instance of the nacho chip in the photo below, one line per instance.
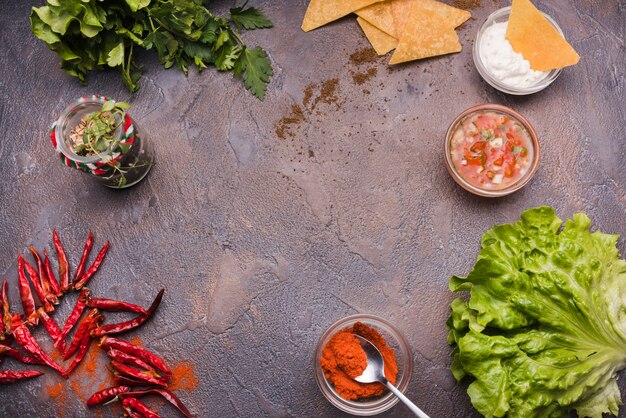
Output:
(321, 12)
(379, 15)
(381, 41)
(426, 34)
(532, 35)
(401, 10)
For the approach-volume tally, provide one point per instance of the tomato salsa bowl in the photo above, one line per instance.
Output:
(491, 150)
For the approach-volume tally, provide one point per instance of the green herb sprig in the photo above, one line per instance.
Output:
(95, 34)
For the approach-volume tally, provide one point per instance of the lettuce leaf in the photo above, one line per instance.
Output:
(543, 332)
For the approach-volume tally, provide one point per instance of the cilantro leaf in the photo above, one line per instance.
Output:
(250, 18)
(254, 66)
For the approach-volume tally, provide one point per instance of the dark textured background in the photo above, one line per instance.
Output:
(263, 242)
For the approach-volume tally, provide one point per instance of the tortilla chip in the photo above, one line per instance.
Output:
(381, 41)
(532, 35)
(401, 10)
(321, 12)
(379, 15)
(426, 34)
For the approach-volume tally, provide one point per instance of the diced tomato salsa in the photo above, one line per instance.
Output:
(490, 150)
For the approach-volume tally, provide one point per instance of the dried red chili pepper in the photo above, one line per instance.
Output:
(26, 340)
(149, 378)
(106, 395)
(34, 278)
(83, 260)
(82, 349)
(129, 359)
(26, 295)
(94, 267)
(84, 329)
(53, 330)
(8, 376)
(133, 323)
(166, 394)
(54, 284)
(127, 381)
(64, 265)
(18, 355)
(131, 403)
(114, 305)
(81, 303)
(107, 343)
(43, 277)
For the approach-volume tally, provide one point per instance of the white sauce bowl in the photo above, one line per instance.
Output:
(502, 15)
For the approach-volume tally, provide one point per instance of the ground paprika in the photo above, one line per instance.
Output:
(343, 359)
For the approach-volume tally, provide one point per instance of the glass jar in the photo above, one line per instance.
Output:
(117, 168)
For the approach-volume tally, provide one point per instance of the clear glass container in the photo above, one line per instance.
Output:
(515, 116)
(394, 339)
(133, 165)
(502, 15)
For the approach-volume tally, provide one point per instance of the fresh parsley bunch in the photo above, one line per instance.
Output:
(90, 34)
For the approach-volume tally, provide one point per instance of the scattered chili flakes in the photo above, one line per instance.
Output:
(283, 129)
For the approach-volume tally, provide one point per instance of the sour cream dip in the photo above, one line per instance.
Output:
(502, 62)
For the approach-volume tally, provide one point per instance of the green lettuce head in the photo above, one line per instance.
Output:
(544, 329)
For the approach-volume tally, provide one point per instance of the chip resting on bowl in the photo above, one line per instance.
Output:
(533, 36)
(425, 34)
(379, 15)
(321, 12)
(381, 41)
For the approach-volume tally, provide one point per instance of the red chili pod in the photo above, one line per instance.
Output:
(107, 343)
(105, 395)
(166, 394)
(94, 267)
(34, 278)
(82, 350)
(114, 305)
(26, 340)
(18, 355)
(83, 260)
(81, 303)
(43, 277)
(84, 329)
(53, 330)
(6, 307)
(64, 265)
(26, 295)
(135, 373)
(133, 323)
(127, 381)
(129, 359)
(131, 404)
(8, 376)
(54, 284)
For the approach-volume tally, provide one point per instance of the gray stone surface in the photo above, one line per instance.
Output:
(263, 242)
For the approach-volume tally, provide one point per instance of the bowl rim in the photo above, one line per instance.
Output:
(405, 366)
(477, 190)
(497, 84)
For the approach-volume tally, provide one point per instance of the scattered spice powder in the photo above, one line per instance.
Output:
(466, 4)
(362, 77)
(343, 359)
(364, 56)
(299, 114)
(183, 377)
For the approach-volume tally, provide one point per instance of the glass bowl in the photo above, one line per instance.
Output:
(394, 339)
(502, 15)
(516, 117)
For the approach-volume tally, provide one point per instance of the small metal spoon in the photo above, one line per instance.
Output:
(375, 372)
